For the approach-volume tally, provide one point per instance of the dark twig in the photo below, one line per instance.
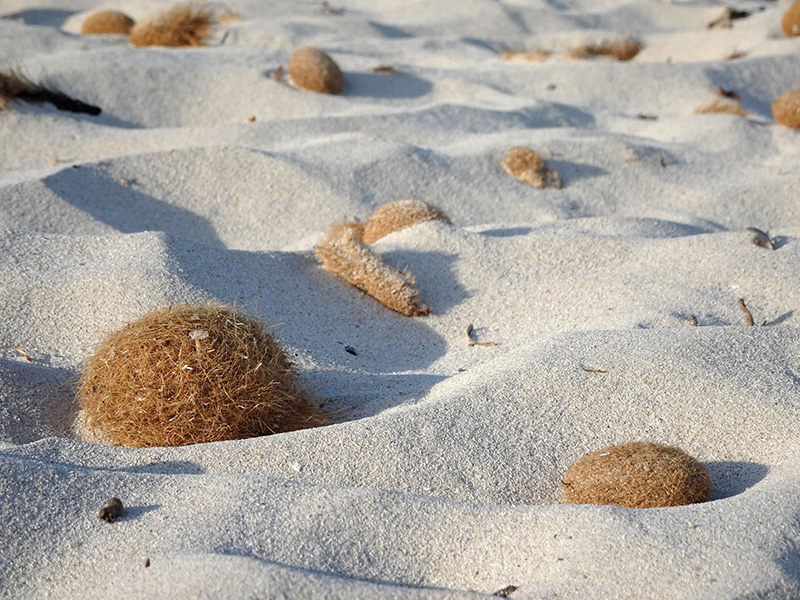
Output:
(506, 591)
(21, 351)
(747, 316)
(15, 86)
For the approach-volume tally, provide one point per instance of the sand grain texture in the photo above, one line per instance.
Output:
(440, 476)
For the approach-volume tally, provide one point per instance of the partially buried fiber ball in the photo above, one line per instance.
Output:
(528, 167)
(312, 69)
(107, 22)
(791, 20)
(190, 374)
(398, 215)
(786, 109)
(637, 475)
(187, 24)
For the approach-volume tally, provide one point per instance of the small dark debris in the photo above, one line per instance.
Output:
(506, 591)
(761, 238)
(732, 94)
(692, 320)
(661, 160)
(384, 69)
(113, 511)
(146, 562)
(350, 350)
(551, 86)
(644, 117)
(594, 370)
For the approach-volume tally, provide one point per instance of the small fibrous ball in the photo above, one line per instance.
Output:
(190, 374)
(527, 166)
(620, 49)
(786, 109)
(791, 20)
(637, 475)
(184, 25)
(312, 69)
(107, 22)
(398, 215)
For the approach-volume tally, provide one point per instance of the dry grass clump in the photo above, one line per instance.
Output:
(786, 108)
(530, 56)
(184, 25)
(619, 49)
(107, 22)
(398, 215)
(344, 254)
(790, 23)
(312, 69)
(718, 105)
(527, 166)
(190, 374)
(637, 475)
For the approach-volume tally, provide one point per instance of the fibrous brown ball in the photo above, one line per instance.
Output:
(312, 69)
(791, 20)
(184, 25)
(190, 374)
(398, 215)
(637, 475)
(527, 166)
(620, 49)
(786, 109)
(107, 22)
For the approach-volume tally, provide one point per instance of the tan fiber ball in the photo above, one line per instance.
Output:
(398, 215)
(790, 23)
(188, 24)
(190, 374)
(528, 167)
(637, 475)
(106, 22)
(786, 109)
(313, 70)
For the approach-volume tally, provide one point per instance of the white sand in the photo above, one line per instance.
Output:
(441, 476)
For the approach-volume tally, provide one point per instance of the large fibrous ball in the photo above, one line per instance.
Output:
(190, 374)
(637, 475)
(790, 23)
(107, 22)
(312, 69)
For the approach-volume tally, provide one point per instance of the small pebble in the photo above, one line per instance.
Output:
(113, 511)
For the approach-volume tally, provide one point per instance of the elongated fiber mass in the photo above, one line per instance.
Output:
(344, 254)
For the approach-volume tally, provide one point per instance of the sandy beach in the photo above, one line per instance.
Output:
(606, 308)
